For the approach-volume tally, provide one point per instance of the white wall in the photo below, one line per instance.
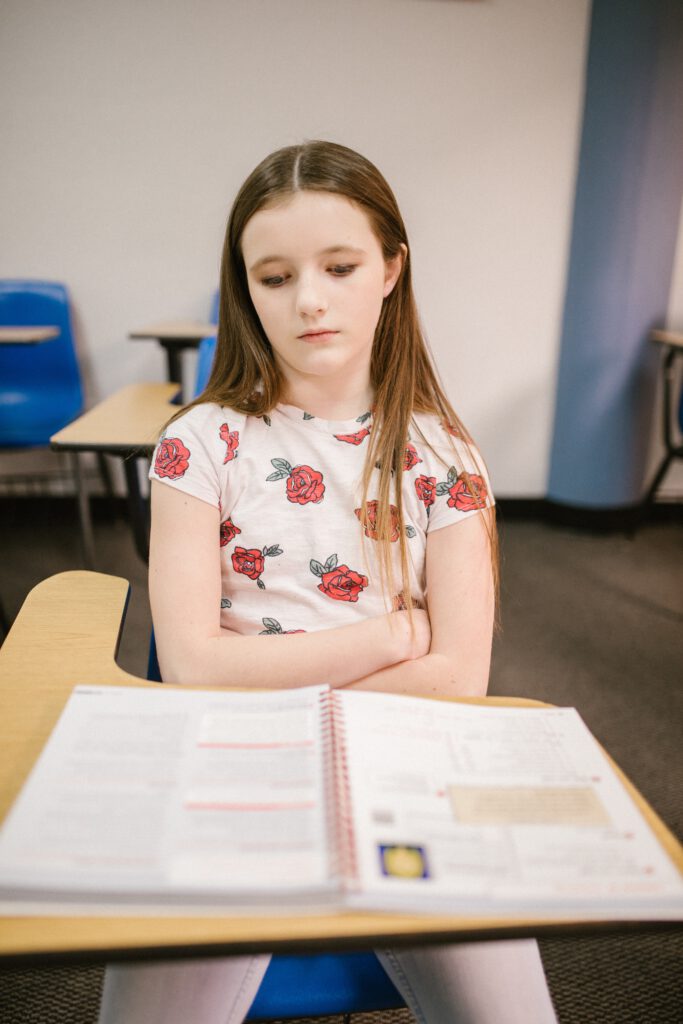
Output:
(127, 126)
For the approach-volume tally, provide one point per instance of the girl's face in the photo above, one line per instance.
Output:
(317, 278)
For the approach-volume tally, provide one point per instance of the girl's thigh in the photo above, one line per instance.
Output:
(216, 991)
(473, 982)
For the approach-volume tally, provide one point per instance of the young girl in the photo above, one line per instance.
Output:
(319, 514)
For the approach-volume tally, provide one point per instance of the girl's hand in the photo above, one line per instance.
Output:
(415, 641)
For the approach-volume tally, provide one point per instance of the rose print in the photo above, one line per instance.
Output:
(248, 561)
(451, 429)
(232, 440)
(304, 484)
(369, 520)
(338, 581)
(425, 488)
(410, 458)
(273, 627)
(172, 459)
(228, 532)
(466, 491)
(251, 562)
(356, 438)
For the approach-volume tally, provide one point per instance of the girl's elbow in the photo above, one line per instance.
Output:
(179, 664)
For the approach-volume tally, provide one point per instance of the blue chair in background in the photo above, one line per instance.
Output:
(317, 984)
(215, 302)
(205, 354)
(40, 384)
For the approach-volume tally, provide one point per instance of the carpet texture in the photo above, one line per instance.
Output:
(593, 621)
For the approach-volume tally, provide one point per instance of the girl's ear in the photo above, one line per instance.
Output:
(393, 269)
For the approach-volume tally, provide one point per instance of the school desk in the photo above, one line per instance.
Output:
(672, 406)
(67, 633)
(174, 336)
(126, 425)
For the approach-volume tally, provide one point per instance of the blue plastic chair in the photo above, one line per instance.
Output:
(205, 354)
(40, 385)
(305, 985)
(215, 301)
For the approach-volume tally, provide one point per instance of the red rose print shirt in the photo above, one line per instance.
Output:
(296, 548)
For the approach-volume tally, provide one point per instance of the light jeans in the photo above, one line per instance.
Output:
(468, 983)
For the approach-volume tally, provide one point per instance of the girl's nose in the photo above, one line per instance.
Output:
(310, 297)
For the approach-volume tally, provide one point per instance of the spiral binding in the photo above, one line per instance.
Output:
(329, 788)
(340, 798)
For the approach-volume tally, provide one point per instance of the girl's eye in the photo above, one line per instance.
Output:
(343, 269)
(273, 282)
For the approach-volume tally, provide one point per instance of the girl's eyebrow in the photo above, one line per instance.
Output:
(329, 251)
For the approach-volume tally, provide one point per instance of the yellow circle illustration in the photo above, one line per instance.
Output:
(404, 862)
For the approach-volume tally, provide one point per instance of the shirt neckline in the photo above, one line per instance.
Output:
(350, 426)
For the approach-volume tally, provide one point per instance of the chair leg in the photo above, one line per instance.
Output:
(659, 476)
(84, 512)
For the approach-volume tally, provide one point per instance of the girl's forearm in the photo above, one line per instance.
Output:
(333, 656)
(433, 675)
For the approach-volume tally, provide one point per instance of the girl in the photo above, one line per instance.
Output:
(322, 489)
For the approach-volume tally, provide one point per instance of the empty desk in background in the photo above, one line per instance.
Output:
(127, 425)
(672, 405)
(174, 336)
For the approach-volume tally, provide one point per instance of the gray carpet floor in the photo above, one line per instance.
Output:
(589, 620)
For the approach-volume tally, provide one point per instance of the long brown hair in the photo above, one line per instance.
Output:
(245, 375)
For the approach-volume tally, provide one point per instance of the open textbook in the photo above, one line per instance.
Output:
(211, 800)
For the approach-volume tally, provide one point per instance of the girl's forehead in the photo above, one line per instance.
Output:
(307, 219)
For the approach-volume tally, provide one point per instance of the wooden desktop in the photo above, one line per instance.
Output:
(67, 634)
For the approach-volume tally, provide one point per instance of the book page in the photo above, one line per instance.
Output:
(488, 809)
(173, 795)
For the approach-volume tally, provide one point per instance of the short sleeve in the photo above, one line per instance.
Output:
(190, 454)
(453, 482)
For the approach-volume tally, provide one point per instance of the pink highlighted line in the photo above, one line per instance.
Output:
(198, 805)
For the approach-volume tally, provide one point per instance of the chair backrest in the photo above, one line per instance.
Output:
(206, 352)
(213, 315)
(322, 985)
(40, 384)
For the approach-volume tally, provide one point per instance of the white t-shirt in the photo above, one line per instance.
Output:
(288, 488)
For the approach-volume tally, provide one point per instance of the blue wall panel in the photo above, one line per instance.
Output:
(627, 205)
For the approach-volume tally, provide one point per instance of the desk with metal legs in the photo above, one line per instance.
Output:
(174, 336)
(127, 425)
(66, 634)
(673, 449)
